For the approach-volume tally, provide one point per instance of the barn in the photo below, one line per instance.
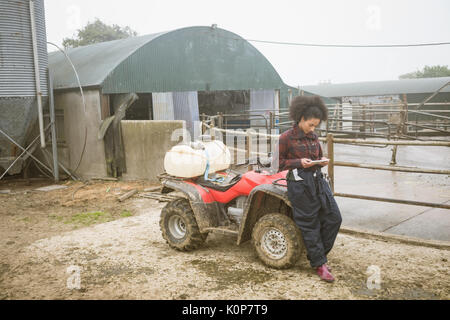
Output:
(431, 118)
(176, 76)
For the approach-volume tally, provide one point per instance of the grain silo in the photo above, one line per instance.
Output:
(23, 75)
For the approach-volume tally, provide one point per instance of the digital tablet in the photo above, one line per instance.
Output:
(319, 161)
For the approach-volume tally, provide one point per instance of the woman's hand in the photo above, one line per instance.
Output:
(306, 163)
(323, 164)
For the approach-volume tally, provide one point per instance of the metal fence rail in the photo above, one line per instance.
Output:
(358, 142)
(251, 149)
(399, 120)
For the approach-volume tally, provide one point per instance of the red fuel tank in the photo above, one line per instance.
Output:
(248, 181)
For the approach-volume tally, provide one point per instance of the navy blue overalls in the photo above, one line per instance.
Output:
(315, 212)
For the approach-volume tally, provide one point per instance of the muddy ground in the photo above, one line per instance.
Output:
(47, 239)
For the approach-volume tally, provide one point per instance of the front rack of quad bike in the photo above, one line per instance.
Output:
(167, 176)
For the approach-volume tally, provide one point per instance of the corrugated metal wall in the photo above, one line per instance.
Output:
(176, 106)
(16, 49)
(163, 106)
(185, 106)
(18, 103)
(262, 102)
(193, 59)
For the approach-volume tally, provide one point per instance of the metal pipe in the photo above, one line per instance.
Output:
(401, 128)
(431, 104)
(400, 143)
(64, 168)
(250, 118)
(410, 202)
(53, 129)
(23, 152)
(356, 133)
(430, 114)
(34, 158)
(389, 168)
(392, 104)
(37, 74)
(432, 96)
(82, 98)
(331, 163)
(356, 120)
(428, 99)
(425, 127)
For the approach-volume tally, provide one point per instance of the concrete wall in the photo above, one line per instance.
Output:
(75, 123)
(146, 143)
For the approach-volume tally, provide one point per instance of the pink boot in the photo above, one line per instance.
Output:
(324, 273)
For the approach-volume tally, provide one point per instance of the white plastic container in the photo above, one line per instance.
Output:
(186, 162)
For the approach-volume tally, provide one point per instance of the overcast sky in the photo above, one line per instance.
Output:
(319, 21)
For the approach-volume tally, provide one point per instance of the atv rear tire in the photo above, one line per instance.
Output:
(277, 240)
(179, 227)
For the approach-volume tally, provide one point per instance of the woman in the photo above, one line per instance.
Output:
(314, 209)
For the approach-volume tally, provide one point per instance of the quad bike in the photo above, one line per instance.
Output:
(253, 205)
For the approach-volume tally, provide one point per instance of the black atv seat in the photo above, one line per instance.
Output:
(222, 187)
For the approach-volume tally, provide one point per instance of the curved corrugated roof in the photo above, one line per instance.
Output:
(187, 59)
(371, 88)
(93, 62)
(295, 92)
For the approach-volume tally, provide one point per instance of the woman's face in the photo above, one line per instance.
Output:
(308, 125)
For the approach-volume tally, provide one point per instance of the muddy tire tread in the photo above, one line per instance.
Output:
(193, 238)
(291, 233)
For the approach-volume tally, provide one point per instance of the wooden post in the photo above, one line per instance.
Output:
(330, 147)
(268, 140)
(235, 152)
(405, 114)
(271, 121)
(203, 117)
(127, 195)
(249, 146)
(340, 115)
(394, 156)
(400, 128)
(220, 118)
(212, 126)
(364, 117)
(327, 126)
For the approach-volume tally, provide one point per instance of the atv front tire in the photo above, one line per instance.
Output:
(277, 241)
(179, 227)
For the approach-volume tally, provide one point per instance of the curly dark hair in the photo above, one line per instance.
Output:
(308, 107)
